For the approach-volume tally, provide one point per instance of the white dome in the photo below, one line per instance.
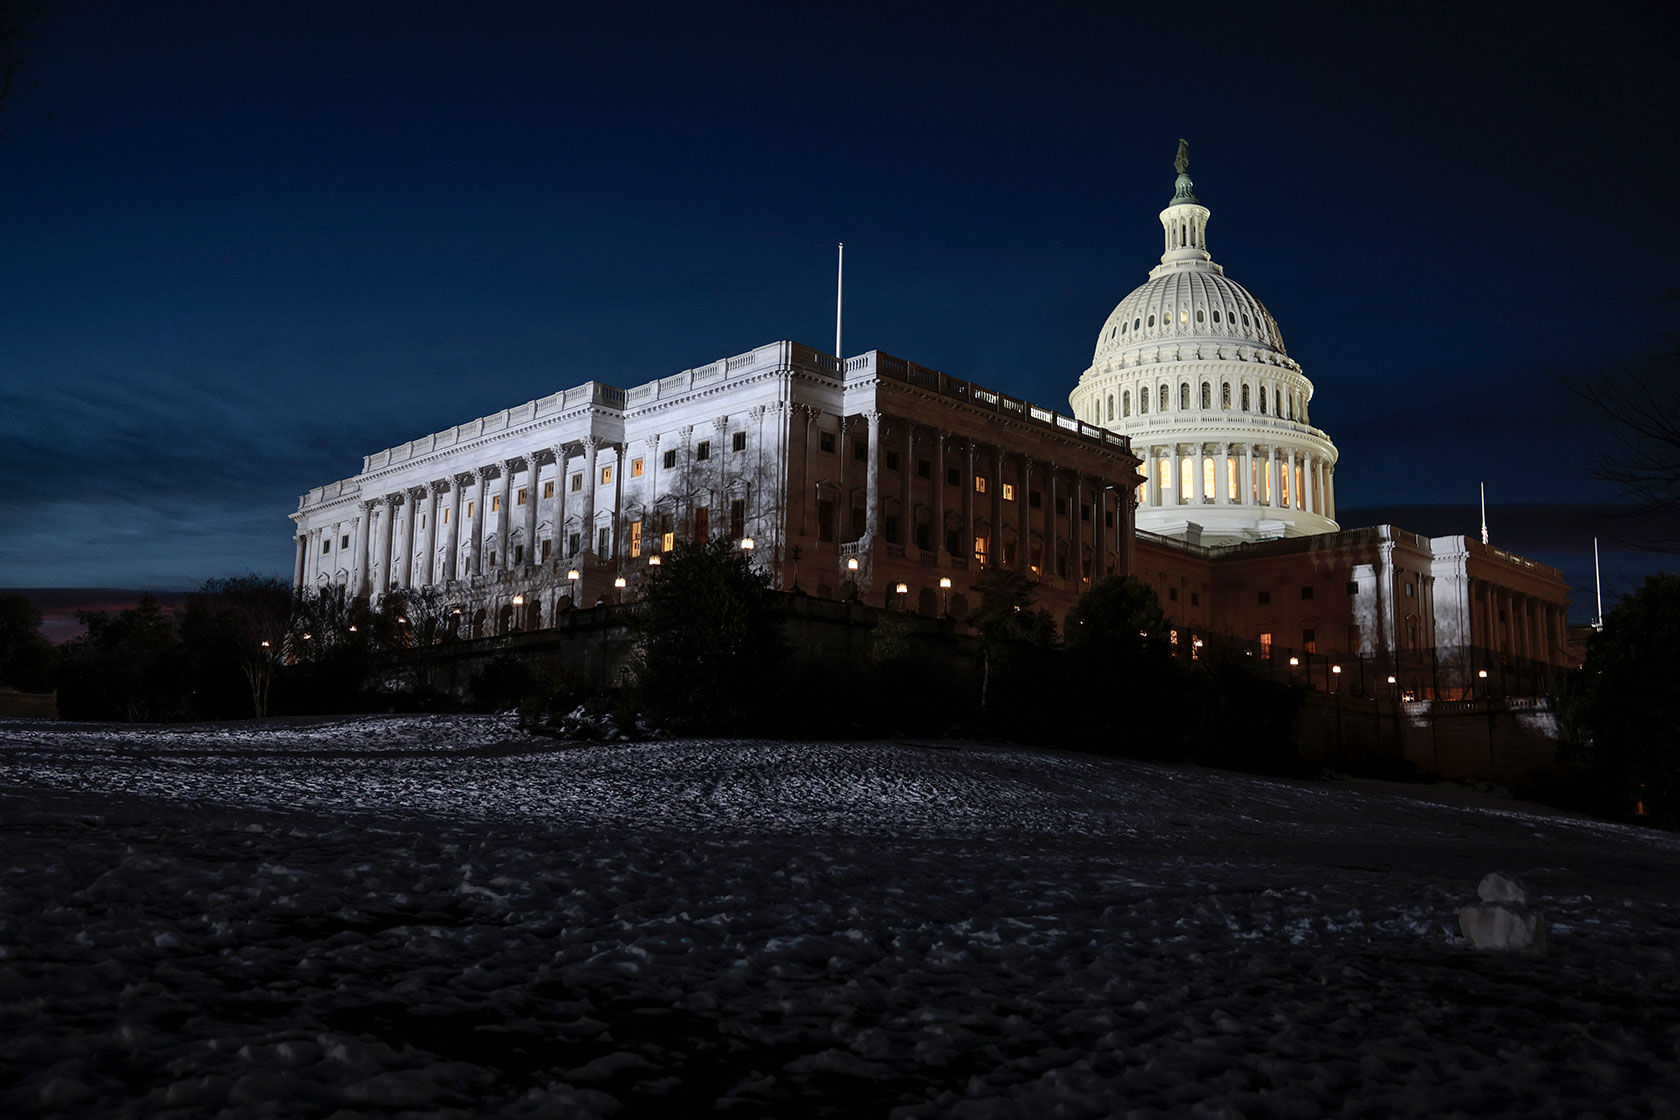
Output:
(1196, 304)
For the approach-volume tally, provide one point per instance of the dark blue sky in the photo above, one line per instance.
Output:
(248, 243)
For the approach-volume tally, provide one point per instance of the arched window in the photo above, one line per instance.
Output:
(1162, 401)
(1184, 395)
(1126, 403)
(1111, 406)
(1277, 403)
(1136, 323)
(1225, 394)
(1216, 314)
(1245, 398)
(1152, 320)
(1207, 395)
(1143, 401)
(1200, 315)
(1262, 400)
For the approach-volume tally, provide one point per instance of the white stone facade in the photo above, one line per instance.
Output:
(1192, 368)
(912, 476)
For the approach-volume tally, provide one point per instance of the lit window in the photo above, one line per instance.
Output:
(495, 503)
(667, 541)
(635, 468)
(980, 549)
(1265, 643)
(1172, 636)
(979, 484)
(635, 536)
(520, 500)
(548, 489)
(446, 515)
(1309, 641)
(606, 475)
(470, 508)
(1008, 492)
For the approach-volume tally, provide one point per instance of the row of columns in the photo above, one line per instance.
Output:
(1533, 628)
(1261, 474)
(977, 459)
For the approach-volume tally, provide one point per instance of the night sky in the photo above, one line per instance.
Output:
(247, 244)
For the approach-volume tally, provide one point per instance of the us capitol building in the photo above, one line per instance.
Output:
(1189, 461)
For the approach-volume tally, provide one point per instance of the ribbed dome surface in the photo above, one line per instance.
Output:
(1188, 304)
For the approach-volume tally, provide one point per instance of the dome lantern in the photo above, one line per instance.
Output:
(1184, 221)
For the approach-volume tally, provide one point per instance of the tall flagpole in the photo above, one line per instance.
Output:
(839, 291)
(1598, 588)
(1484, 514)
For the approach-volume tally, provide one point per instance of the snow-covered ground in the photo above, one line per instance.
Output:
(440, 915)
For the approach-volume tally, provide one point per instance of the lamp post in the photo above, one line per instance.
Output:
(1336, 671)
(747, 544)
(618, 588)
(518, 603)
(573, 577)
(901, 590)
(1481, 676)
(944, 595)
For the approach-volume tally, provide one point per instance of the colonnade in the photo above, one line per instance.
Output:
(1246, 474)
(1518, 625)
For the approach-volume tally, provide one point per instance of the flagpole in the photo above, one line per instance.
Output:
(1598, 588)
(839, 291)
(1484, 514)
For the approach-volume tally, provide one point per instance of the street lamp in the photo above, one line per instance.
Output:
(746, 544)
(851, 563)
(944, 594)
(901, 589)
(1336, 670)
(655, 560)
(572, 577)
(1481, 675)
(518, 601)
(618, 585)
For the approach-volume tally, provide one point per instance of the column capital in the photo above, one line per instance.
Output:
(873, 418)
(720, 424)
(652, 441)
(686, 431)
(811, 411)
(591, 443)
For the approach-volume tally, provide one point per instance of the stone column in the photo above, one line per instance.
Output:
(1222, 474)
(1174, 485)
(618, 503)
(1273, 495)
(1329, 492)
(504, 523)
(939, 496)
(650, 517)
(1052, 526)
(994, 543)
(364, 531)
(452, 561)
(591, 479)
(1076, 500)
(297, 564)
(533, 495)
(562, 483)
(387, 510)
(872, 482)
(405, 561)
(965, 538)
(1099, 530)
(1309, 487)
(907, 492)
(1023, 517)
(481, 485)
(1245, 476)
(1293, 500)
(434, 503)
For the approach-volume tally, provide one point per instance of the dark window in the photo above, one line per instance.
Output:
(825, 442)
(1195, 599)
(860, 449)
(703, 449)
(1084, 513)
(1353, 587)
(326, 544)
(1035, 498)
(890, 458)
(952, 539)
(825, 519)
(1307, 591)
(1172, 594)
(1265, 597)
(1411, 592)
(519, 554)
(889, 527)
(1309, 641)
(345, 543)
(924, 536)
(953, 477)
(573, 543)
(547, 546)
(738, 441)
(1009, 552)
(737, 518)
(1061, 507)
(924, 468)
(857, 522)
(1108, 519)
(670, 459)
(702, 521)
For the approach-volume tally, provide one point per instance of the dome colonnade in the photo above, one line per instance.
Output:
(1192, 367)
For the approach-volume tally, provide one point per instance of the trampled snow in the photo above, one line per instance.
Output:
(442, 915)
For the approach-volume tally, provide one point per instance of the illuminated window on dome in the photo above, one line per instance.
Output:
(1183, 315)
(1207, 478)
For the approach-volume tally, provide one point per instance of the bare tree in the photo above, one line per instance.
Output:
(1642, 403)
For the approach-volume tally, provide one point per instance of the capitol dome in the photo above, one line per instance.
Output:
(1192, 367)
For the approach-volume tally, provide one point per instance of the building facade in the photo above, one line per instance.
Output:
(874, 479)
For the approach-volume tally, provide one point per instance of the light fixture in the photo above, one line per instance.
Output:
(619, 583)
(573, 575)
(519, 600)
(1336, 669)
(401, 618)
(353, 629)
(1294, 661)
(945, 583)
(851, 564)
(746, 544)
(654, 561)
(902, 588)
(306, 637)
(1482, 673)
(1391, 678)
(265, 645)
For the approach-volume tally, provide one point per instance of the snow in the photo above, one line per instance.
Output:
(441, 915)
